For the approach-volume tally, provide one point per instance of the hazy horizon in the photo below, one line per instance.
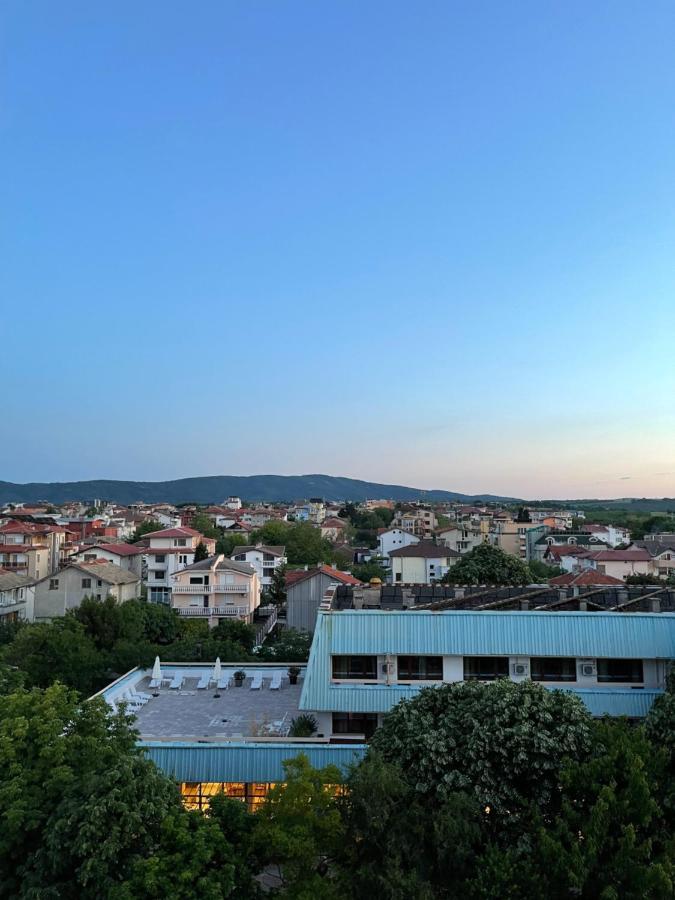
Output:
(425, 245)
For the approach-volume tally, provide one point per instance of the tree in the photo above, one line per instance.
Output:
(541, 572)
(83, 809)
(234, 631)
(204, 525)
(277, 589)
(300, 831)
(502, 743)
(523, 514)
(57, 651)
(145, 528)
(486, 564)
(201, 552)
(290, 646)
(365, 571)
(226, 543)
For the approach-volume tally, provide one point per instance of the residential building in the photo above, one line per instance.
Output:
(613, 535)
(421, 563)
(126, 556)
(333, 529)
(304, 592)
(31, 549)
(216, 588)
(661, 549)
(568, 557)
(233, 503)
(517, 538)
(263, 558)
(419, 521)
(390, 539)
(64, 590)
(620, 563)
(17, 597)
(364, 662)
(565, 539)
(166, 552)
(461, 538)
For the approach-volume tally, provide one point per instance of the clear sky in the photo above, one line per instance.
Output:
(425, 243)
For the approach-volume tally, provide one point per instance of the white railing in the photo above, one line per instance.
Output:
(210, 589)
(212, 610)
(266, 627)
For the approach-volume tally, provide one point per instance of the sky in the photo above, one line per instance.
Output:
(427, 243)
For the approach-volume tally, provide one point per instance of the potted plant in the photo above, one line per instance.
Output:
(303, 726)
(239, 676)
(293, 673)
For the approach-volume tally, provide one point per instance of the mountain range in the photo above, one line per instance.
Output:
(216, 488)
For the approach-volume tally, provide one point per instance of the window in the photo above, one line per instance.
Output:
(241, 557)
(182, 559)
(622, 670)
(420, 668)
(158, 575)
(181, 542)
(195, 580)
(553, 668)
(99, 583)
(355, 723)
(89, 556)
(362, 668)
(485, 668)
(53, 584)
(86, 582)
(160, 557)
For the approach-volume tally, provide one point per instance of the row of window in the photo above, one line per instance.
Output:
(86, 583)
(488, 668)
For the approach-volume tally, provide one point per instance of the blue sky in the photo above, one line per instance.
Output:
(429, 244)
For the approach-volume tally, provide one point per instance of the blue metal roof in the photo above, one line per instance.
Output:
(466, 633)
(634, 704)
(241, 761)
(460, 633)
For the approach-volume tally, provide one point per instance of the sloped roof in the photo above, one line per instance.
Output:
(10, 580)
(654, 548)
(99, 568)
(297, 575)
(425, 549)
(119, 549)
(224, 563)
(276, 550)
(621, 556)
(182, 531)
(589, 577)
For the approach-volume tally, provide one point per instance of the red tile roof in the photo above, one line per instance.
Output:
(589, 577)
(119, 549)
(183, 531)
(621, 556)
(296, 575)
(558, 550)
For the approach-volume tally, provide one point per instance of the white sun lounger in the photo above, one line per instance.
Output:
(177, 682)
(203, 682)
(224, 682)
(275, 683)
(256, 682)
(156, 683)
(140, 695)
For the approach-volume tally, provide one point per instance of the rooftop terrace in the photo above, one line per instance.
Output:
(207, 713)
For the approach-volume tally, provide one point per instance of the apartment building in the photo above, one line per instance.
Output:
(462, 538)
(31, 549)
(390, 539)
(64, 590)
(216, 588)
(166, 552)
(516, 538)
(263, 558)
(661, 549)
(419, 521)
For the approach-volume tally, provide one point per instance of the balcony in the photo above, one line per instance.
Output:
(213, 610)
(210, 589)
(14, 566)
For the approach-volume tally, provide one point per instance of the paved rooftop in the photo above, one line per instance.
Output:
(189, 713)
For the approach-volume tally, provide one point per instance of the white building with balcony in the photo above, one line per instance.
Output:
(264, 559)
(17, 597)
(216, 588)
(167, 552)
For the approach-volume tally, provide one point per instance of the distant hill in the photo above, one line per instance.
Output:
(215, 488)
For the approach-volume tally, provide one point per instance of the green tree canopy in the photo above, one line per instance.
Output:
(201, 552)
(486, 564)
(502, 743)
(145, 528)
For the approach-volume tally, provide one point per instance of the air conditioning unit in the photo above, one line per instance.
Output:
(521, 668)
(588, 668)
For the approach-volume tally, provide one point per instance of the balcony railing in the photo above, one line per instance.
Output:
(15, 566)
(212, 610)
(210, 589)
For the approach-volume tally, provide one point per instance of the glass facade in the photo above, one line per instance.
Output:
(198, 794)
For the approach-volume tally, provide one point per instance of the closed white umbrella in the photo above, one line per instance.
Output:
(217, 671)
(157, 670)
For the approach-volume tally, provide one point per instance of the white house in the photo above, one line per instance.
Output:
(389, 539)
(166, 552)
(461, 538)
(233, 503)
(421, 563)
(126, 556)
(264, 559)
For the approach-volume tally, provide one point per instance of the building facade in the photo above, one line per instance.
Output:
(61, 591)
(216, 588)
(167, 552)
(264, 559)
